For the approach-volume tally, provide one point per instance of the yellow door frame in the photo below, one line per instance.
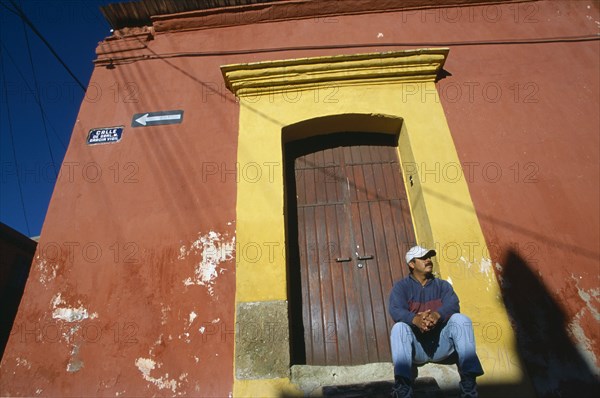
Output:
(391, 92)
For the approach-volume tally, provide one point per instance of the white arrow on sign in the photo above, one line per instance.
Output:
(145, 118)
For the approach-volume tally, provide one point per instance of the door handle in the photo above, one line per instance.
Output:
(367, 257)
(343, 259)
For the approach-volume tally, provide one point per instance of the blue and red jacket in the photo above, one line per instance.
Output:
(409, 297)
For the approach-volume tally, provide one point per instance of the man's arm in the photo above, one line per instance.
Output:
(399, 305)
(450, 303)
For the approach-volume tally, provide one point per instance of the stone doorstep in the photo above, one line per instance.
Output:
(343, 380)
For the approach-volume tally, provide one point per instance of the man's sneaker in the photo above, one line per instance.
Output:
(402, 389)
(468, 387)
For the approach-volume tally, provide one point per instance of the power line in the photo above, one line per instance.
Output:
(36, 94)
(9, 9)
(36, 98)
(12, 143)
(543, 40)
(26, 20)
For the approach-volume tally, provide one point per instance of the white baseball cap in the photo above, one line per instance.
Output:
(418, 252)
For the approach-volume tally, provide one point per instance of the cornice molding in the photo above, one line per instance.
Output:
(173, 15)
(307, 73)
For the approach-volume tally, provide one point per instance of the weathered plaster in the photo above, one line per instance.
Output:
(583, 343)
(47, 269)
(147, 365)
(214, 249)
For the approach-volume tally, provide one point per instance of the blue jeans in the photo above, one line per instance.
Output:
(415, 348)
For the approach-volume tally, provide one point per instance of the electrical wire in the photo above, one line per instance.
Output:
(548, 40)
(36, 94)
(26, 20)
(10, 58)
(12, 142)
(8, 8)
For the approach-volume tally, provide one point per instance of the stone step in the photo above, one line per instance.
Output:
(424, 387)
(372, 380)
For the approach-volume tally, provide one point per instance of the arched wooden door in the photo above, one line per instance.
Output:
(352, 226)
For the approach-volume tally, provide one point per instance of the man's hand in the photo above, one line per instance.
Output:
(421, 321)
(426, 320)
(432, 318)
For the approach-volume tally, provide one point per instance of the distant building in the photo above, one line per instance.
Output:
(16, 254)
(244, 178)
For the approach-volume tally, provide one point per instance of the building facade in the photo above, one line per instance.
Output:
(17, 253)
(244, 177)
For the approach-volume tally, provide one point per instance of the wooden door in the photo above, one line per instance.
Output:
(353, 228)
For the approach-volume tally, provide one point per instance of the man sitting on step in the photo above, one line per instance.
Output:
(429, 326)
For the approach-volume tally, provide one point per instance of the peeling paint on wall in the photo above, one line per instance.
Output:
(583, 344)
(23, 362)
(69, 314)
(214, 249)
(485, 267)
(63, 313)
(164, 313)
(157, 343)
(591, 298)
(186, 337)
(75, 364)
(47, 270)
(147, 365)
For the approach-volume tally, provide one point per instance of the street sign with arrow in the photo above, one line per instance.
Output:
(156, 118)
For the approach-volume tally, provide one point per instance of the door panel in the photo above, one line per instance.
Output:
(353, 226)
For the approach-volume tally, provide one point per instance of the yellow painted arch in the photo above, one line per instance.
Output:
(291, 99)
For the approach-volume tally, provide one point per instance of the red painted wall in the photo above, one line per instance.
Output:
(129, 225)
(120, 245)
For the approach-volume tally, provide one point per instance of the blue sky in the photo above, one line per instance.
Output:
(73, 28)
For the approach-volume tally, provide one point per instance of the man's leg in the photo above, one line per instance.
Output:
(459, 330)
(457, 335)
(406, 352)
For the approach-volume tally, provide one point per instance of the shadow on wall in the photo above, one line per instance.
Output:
(554, 365)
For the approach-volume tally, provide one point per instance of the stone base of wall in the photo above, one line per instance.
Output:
(262, 348)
